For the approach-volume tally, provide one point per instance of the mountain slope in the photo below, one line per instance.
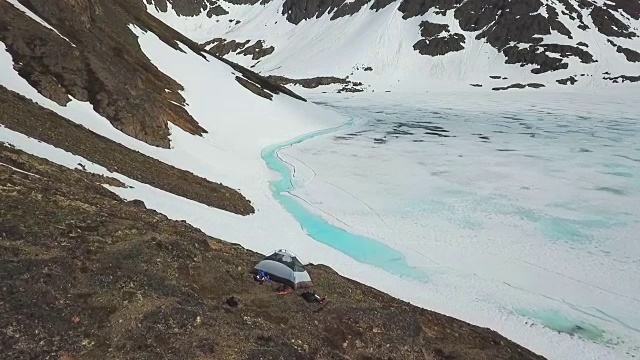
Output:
(102, 103)
(410, 44)
(99, 61)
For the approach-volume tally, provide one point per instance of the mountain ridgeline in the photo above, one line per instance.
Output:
(555, 39)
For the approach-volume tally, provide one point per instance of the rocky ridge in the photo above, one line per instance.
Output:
(543, 35)
(99, 61)
(222, 47)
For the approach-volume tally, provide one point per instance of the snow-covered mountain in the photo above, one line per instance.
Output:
(420, 44)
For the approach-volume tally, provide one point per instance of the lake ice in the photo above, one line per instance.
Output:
(517, 212)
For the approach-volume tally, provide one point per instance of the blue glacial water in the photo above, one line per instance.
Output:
(360, 248)
(560, 323)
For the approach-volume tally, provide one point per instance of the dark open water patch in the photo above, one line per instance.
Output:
(531, 135)
(513, 118)
(399, 132)
(628, 158)
(422, 125)
(611, 190)
(339, 137)
(425, 125)
(436, 134)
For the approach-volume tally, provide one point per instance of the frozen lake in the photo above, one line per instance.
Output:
(514, 212)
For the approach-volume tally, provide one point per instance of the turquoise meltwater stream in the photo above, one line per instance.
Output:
(358, 247)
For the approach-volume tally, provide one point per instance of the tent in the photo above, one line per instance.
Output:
(284, 267)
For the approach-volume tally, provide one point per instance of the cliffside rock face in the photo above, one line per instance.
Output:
(349, 8)
(299, 10)
(608, 24)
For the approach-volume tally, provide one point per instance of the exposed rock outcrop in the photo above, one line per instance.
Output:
(309, 83)
(622, 78)
(257, 50)
(435, 43)
(571, 80)
(608, 24)
(519, 86)
(191, 7)
(223, 47)
(631, 55)
(254, 88)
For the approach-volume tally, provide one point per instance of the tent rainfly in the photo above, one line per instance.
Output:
(284, 267)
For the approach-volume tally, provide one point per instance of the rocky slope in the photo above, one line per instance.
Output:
(22, 115)
(445, 40)
(99, 60)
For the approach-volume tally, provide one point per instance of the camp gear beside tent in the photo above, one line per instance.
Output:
(285, 290)
(285, 268)
(261, 277)
(233, 301)
(312, 297)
